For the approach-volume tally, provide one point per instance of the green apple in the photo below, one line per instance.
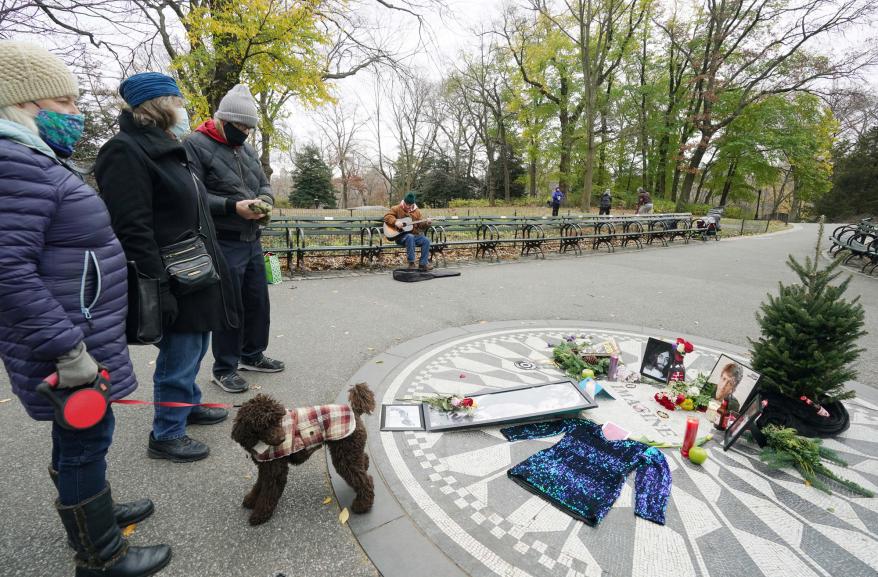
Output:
(697, 455)
(586, 373)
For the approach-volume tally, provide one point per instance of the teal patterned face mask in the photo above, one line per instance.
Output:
(60, 131)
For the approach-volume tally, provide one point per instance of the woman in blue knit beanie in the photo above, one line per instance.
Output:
(155, 201)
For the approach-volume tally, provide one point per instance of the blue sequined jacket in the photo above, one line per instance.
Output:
(583, 473)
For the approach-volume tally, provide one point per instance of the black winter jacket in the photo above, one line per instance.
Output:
(231, 174)
(144, 178)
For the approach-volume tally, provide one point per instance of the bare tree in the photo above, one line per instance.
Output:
(340, 125)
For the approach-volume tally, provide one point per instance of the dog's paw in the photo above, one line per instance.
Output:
(360, 506)
(259, 518)
(249, 501)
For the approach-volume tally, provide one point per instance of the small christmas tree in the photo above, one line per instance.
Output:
(809, 334)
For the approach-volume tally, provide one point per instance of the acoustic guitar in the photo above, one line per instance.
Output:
(391, 232)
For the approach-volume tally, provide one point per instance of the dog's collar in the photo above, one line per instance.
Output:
(260, 448)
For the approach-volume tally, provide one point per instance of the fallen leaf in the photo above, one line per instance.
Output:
(378, 362)
(371, 348)
(257, 387)
(279, 336)
(4, 401)
(327, 500)
(343, 516)
(151, 363)
(129, 530)
(248, 476)
(482, 322)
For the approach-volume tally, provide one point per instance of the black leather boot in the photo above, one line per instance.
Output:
(125, 513)
(100, 549)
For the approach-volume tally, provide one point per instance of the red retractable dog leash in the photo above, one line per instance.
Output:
(83, 407)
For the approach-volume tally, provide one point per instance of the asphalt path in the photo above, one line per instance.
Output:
(325, 328)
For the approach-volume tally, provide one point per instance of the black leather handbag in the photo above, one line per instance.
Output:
(189, 266)
(144, 323)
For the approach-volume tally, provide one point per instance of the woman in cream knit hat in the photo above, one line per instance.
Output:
(63, 285)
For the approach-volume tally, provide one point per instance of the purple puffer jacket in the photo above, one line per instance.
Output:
(63, 276)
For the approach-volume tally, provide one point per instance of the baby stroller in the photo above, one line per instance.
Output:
(709, 225)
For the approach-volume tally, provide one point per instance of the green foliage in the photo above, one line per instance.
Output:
(662, 206)
(438, 184)
(786, 449)
(271, 45)
(737, 212)
(854, 180)
(312, 179)
(809, 334)
(567, 357)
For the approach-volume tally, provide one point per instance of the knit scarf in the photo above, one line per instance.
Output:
(406, 209)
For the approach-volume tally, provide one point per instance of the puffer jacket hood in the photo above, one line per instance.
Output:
(63, 277)
(230, 174)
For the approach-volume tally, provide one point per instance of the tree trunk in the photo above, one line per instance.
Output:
(265, 154)
(727, 186)
(693, 169)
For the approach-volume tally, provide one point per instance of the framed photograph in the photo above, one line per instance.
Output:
(746, 419)
(601, 349)
(405, 417)
(527, 403)
(657, 359)
(734, 381)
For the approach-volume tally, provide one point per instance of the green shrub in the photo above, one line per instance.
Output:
(737, 212)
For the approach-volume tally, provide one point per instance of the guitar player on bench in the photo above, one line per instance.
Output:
(405, 225)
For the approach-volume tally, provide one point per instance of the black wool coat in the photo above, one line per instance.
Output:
(144, 178)
(230, 174)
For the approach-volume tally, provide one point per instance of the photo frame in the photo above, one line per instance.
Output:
(518, 404)
(732, 379)
(745, 420)
(402, 417)
(657, 359)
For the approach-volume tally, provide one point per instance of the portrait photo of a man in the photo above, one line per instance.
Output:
(734, 381)
(657, 360)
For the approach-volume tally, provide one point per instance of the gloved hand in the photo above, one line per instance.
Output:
(76, 368)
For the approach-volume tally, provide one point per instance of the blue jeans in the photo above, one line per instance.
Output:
(410, 241)
(179, 358)
(80, 457)
(247, 271)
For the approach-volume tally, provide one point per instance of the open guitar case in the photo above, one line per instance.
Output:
(407, 275)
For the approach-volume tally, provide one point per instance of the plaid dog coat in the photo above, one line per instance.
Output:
(309, 427)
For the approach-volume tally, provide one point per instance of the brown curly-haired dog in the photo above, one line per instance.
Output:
(259, 420)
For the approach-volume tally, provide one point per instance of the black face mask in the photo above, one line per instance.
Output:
(234, 136)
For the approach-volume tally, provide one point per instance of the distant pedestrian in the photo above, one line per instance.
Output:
(557, 197)
(644, 202)
(606, 202)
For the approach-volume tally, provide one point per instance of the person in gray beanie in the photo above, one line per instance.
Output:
(221, 158)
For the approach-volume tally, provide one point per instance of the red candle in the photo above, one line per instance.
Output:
(690, 436)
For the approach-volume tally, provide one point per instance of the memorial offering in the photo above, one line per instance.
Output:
(517, 404)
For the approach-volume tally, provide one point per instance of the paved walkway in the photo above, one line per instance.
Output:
(326, 329)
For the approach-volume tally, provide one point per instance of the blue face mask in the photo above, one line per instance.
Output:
(181, 128)
(60, 131)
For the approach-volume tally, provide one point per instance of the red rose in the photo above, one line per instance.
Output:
(680, 398)
(688, 347)
(466, 402)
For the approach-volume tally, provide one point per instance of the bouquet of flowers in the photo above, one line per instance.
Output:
(692, 395)
(452, 403)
